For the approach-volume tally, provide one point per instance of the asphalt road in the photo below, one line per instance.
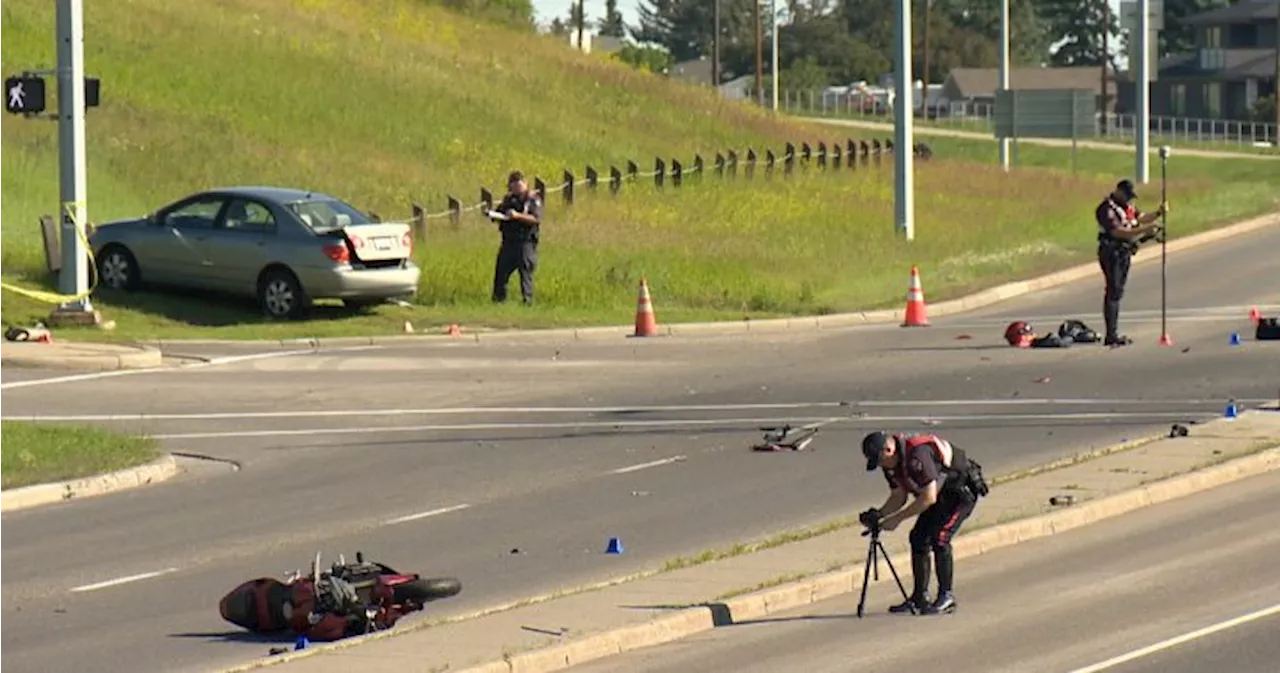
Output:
(443, 459)
(1129, 595)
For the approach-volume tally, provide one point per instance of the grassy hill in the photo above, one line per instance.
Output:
(387, 101)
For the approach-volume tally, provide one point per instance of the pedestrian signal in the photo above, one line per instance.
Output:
(24, 95)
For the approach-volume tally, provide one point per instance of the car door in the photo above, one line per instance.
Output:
(238, 246)
(176, 254)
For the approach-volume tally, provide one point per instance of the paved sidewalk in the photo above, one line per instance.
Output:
(78, 355)
(554, 634)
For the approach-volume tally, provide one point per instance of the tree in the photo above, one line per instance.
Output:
(686, 29)
(1077, 28)
(612, 25)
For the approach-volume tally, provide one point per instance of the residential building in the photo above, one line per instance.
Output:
(975, 88)
(1235, 63)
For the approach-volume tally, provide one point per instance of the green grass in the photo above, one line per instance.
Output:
(250, 92)
(37, 453)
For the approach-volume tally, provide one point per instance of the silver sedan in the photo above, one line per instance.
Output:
(284, 247)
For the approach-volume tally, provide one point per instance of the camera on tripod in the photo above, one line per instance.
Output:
(871, 520)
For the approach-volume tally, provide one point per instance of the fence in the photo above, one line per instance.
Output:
(976, 116)
(836, 156)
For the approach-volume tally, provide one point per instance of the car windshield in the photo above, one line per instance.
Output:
(321, 215)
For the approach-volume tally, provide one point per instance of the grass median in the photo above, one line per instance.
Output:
(38, 453)
(816, 242)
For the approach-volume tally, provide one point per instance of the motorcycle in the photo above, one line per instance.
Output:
(348, 599)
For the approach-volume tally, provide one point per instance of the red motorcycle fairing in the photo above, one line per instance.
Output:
(265, 605)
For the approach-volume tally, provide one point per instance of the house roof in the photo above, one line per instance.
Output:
(972, 82)
(1241, 12)
(1237, 64)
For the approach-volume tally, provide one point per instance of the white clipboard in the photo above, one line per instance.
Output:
(495, 215)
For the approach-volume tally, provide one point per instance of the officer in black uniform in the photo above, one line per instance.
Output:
(1121, 229)
(519, 250)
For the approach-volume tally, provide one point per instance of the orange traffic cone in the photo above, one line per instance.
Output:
(1254, 315)
(454, 331)
(915, 316)
(646, 323)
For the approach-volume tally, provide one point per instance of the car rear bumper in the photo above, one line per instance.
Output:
(351, 283)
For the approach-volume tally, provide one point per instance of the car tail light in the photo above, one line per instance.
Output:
(337, 252)
(407, 241)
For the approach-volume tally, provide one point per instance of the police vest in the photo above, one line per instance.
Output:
(1128, 214)
(956, 473)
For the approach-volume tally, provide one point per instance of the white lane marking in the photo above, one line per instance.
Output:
(213, 362)
(668, 423)
(652, 463)
(478, 411)
(1186, 637)
(423, 515)
(123, 580)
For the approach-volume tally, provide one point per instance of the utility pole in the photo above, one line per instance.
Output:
(582, 20)
(773, 67)
(73, 279)
(755, 9)
(1275, 89)
(715, 48)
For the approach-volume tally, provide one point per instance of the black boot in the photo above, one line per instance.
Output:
(945, 565)
(946, 603)
(920, 577)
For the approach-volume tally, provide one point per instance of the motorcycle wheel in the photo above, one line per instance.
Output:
(427, 589)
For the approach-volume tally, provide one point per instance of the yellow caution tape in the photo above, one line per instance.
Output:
(69, 210)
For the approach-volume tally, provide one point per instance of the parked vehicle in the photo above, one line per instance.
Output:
(284, 247)
(348, 599)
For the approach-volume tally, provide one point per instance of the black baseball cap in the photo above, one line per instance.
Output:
(872, 444)
(1126, 187)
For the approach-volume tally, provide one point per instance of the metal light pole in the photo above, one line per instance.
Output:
(1143, 125)
(715, 41)
(73, 279)
(1004, 72)
(903, 131)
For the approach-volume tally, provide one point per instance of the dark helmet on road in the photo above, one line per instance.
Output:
(1019, 334)
(872, 444)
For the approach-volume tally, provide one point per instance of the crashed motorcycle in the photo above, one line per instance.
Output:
(347, 599)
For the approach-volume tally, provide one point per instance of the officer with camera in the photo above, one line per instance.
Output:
(522, 209)
(946, 485)
(1121, 229)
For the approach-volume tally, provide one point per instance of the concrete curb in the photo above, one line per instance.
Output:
(82, 355)
(27, 497)
(885, 316)
(683, 623)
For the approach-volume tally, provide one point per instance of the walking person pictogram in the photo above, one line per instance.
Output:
(16, 96)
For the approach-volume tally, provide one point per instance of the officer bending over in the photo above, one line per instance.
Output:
(519, 249)
(946, 486)
(1121, 229)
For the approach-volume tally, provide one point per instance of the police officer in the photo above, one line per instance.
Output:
(519, 250)
(1121, 229)
(940, 478)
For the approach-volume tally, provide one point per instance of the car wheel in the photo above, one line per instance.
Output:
(281, 295)
(117, 269)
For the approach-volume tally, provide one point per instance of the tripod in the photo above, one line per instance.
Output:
(875, 548)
